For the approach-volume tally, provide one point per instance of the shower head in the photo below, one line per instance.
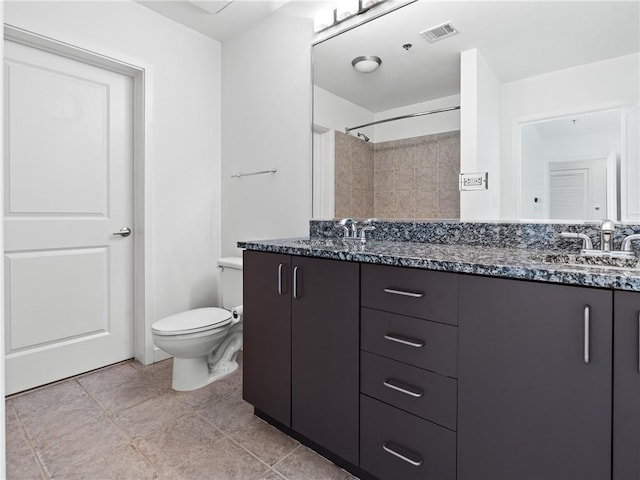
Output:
(363, 136)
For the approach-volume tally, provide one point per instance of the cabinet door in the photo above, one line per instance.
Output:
(529, 406)
(626, 386)
(267, 333)
(325, 354)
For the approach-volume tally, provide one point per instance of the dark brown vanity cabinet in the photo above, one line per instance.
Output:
(626, 386)
(416, 374)
(324, 353)
(266, 369)
(408, 370)
(534, 381)
(301, 356)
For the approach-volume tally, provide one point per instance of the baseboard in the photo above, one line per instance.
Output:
(159, 355)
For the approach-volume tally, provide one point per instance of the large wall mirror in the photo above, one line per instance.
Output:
(544, 96)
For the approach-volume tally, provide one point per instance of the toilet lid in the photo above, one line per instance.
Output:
(192, 321)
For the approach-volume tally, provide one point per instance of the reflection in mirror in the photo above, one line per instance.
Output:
(570, 167)
(511, 78)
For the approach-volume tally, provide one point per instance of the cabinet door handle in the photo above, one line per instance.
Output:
(280, 290)
(587, 314)
(404, 293)
(638, 342)
(411, 342)
(295, 282)
(406, 455)
(414, 392)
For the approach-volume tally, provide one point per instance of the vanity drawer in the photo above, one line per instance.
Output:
(424, 344)
(387, 434)
(426, 394)
(411, 291)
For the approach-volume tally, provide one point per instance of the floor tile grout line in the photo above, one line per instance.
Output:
(44, 472)
(252, 454)
(106, 368)
(155, 467)
(67, 379)
(133, 440)
(231, 437)
(160, 470)
(106, 412)
(288, 454)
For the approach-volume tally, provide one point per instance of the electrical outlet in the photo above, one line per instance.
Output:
(473, 181)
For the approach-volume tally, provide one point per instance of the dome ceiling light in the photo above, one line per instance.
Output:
(366, 63)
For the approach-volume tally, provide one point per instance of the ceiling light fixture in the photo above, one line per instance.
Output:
(366, 63)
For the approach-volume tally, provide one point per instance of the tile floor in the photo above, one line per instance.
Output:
(125, 422)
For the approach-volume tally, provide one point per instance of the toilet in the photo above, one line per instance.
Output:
(205, 341)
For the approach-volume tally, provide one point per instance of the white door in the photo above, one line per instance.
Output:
(578, 190)
(68, 187)
(568, 194)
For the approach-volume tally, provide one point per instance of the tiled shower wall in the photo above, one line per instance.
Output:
(353, 189)
(414, 178)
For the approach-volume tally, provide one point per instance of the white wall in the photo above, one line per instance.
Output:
(266, 109)
(418, 126)
(332, 111)
(534, 156)
(595, 86)
(182, 143)
(336, 113)
(479, 135)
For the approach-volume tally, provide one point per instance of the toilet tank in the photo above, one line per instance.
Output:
(231, 281)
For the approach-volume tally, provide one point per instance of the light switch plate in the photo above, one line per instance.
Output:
(473, 181)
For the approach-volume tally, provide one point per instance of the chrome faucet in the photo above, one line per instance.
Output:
(587, 244)
(626, 243)
(607, 229)
(367, 228)
(350, 227)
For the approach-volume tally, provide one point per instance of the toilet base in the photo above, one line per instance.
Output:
(193, 373)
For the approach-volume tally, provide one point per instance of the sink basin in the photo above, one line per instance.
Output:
(587, 260)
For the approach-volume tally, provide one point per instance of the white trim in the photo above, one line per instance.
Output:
(3, 454)
(142, 215)
(323, 172)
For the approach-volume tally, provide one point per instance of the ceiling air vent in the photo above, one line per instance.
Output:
(439, 32)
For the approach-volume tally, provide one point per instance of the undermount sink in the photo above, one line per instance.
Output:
(587, 260)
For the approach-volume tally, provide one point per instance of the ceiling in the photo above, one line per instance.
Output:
(218, 19)
(519, 39)
(579, 125)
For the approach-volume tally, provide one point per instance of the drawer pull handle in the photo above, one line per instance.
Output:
(296, 294)
(280, 289)
(587, 315)
(403, 388)
(411, 342)
(406, 455)
(404, 293)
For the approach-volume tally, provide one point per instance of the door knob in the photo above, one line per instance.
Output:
(124, 232)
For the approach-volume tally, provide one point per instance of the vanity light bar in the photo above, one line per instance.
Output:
(346, 9)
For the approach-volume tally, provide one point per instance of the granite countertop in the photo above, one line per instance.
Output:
(526, 264)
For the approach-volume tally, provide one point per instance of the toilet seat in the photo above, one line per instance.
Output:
(192, 321)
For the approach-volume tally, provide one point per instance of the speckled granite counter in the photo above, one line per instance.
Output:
(526, 264)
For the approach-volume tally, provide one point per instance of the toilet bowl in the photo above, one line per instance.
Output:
(205, 341)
